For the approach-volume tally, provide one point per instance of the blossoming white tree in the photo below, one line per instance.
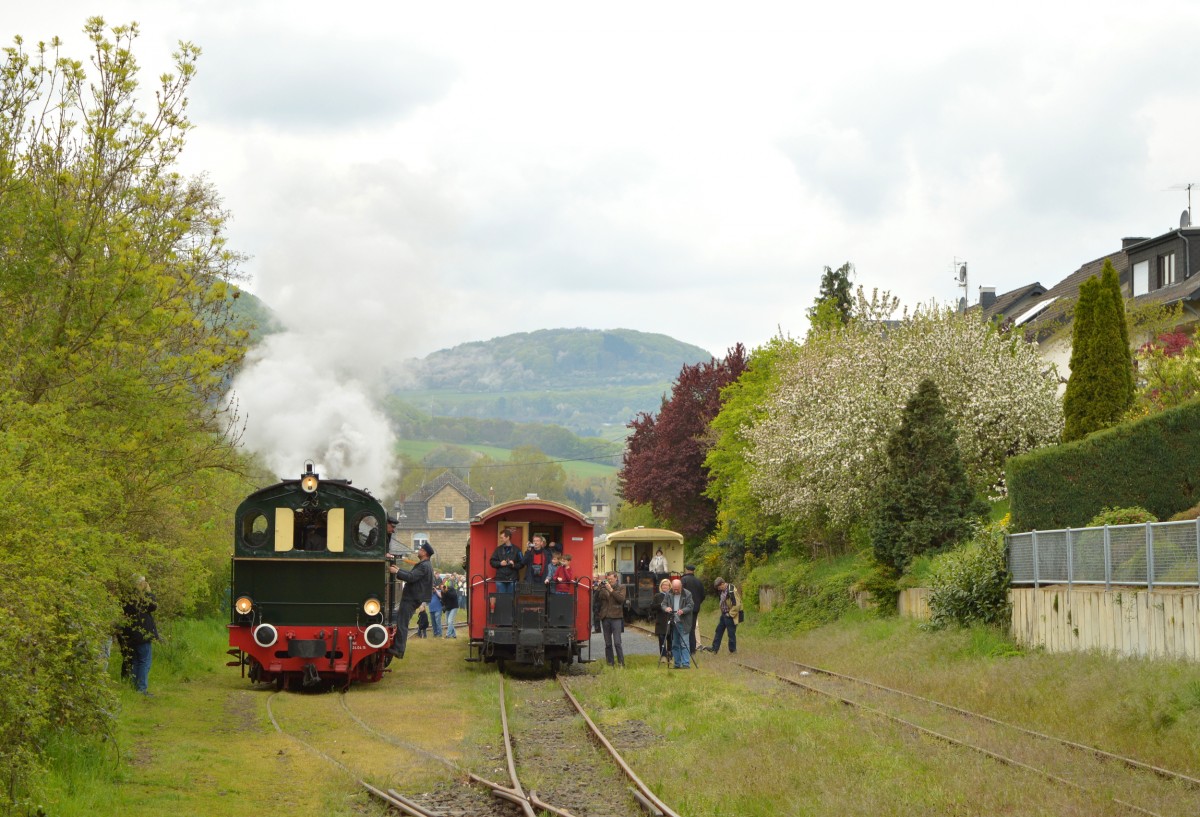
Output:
(822, 441)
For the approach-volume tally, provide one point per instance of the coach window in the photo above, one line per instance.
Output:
(256, 530)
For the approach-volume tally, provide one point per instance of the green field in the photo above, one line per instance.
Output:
(602, 411)
(582, 470)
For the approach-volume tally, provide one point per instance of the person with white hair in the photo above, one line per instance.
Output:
(140, 632)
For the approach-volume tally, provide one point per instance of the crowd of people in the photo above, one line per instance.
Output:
(446, 598)
(677, 607)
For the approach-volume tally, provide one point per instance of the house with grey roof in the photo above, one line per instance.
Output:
(1152, 271)
(440, 514)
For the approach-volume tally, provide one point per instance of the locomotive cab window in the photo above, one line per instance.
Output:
(256, 530)
(366, 531)
(311, 530)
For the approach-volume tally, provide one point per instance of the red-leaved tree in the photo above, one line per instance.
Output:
(664, 456)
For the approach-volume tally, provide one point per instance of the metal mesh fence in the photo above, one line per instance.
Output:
(1158, 554)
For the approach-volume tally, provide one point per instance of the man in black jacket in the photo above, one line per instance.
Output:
(450, 605)
(418, 588)
(693, 585)
(506, 559)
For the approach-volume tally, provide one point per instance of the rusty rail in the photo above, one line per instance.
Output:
(641, 791)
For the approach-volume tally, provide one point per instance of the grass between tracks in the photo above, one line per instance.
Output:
(716, 740)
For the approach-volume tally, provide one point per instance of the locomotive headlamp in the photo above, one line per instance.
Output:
(309, 480)
(243, 605)
(371, 606)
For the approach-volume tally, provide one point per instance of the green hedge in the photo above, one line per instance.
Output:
(1152, 463)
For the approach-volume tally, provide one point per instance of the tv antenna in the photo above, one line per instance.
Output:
(1188, 187)
(960, 275)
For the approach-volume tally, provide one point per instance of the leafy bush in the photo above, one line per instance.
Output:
(1122, 516)
(970, 584)
(884, 587)
(1187, 515)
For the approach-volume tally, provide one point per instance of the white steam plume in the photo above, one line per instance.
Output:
(301, 405)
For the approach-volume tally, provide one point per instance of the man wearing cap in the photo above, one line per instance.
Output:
(693, 585)
(392, 521)
(730, 604)
(418, 588)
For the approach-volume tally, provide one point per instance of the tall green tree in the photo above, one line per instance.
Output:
(1101, 386)
(116, 447)
(835, 303)
(925, 500)
(743, 403)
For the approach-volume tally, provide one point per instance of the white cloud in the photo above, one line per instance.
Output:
(685, 168)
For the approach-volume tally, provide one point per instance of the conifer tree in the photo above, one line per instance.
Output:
(1101, 387)
(926, 502)
(834, 305)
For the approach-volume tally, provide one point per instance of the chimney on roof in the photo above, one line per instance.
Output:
(1126, 243)
(987, 297)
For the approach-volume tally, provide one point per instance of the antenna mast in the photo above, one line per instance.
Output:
(1188, 187)
(960, 275)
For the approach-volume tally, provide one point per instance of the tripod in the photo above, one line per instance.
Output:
(673, 630)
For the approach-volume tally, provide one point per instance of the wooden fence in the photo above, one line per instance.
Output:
(914, 603)
(1125, 621)
(1134, 622)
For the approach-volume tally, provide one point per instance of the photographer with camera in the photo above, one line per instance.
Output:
(681, 609)
(611, 594)
(730, 609)
(662, 618)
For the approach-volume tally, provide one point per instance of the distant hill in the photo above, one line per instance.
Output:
(554, 359)
(587, 380)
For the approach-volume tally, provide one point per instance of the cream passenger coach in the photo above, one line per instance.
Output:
(629, 552)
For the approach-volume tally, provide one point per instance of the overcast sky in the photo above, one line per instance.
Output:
(482, 168)
(410, 176)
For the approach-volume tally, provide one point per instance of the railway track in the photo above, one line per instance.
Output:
(588, 802)
(1138, 787)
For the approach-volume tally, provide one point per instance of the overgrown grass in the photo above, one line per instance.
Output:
(1147, 709)
(813, 593)
(730, 742)
(713, 741)
(201, 745)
